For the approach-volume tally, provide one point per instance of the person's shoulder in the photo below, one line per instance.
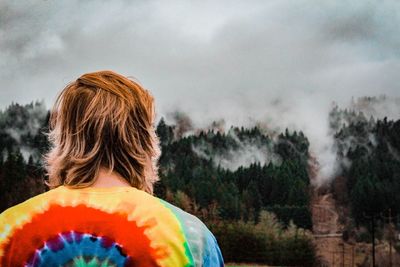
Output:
(200, 244)
(16, 216)
(30, 204)
(200, 240)
(185, 219)
(182, 215)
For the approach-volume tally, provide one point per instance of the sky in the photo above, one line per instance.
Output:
(278, 62)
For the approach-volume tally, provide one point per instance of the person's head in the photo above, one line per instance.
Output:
(102, 120)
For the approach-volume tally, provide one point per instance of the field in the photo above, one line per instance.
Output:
(244, 265)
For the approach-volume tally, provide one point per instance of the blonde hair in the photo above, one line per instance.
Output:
(102, 119)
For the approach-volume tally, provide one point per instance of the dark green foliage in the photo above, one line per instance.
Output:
(232, 237)
(266, 242)
(293, 146)
(21, 129)
(165, 132)
(373, 175)
(229, 200)
(14, 167)
(16, 182)
(300, 215)
(188, 164)
(194, 175)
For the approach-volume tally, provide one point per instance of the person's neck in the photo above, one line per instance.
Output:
(109, 179)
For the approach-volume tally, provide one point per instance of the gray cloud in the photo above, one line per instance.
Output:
(278, 62)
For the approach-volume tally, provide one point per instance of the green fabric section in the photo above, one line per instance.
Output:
(81, 262)
(188, 253)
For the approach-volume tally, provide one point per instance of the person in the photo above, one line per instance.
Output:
(101, 167)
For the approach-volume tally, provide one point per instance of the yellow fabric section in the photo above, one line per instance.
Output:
(163, 227)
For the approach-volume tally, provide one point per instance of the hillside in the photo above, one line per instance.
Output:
(251, 185)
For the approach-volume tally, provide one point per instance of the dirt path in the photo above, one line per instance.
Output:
(327, 230)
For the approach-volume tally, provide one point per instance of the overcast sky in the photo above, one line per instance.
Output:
(280, 62)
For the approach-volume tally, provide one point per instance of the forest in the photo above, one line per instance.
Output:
(250, 186)
(369, 159)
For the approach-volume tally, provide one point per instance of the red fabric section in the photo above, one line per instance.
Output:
(58, 219)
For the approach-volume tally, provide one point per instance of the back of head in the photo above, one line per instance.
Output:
(102, 120)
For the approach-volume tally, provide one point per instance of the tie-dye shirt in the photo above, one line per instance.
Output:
(115, 226)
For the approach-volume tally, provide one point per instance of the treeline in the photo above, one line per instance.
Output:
(369, 150)
(21, 146)
(268, 183)
(241, 193)
(265, 206)
(265, 242)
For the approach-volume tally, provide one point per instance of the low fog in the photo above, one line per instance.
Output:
(273, 63)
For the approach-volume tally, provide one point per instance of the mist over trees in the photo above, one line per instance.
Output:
(198, 173)
(22, 143)
(368, 152)
(243, 192)
(240, 182)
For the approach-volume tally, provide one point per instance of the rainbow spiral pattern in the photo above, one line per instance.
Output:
(116, 226)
